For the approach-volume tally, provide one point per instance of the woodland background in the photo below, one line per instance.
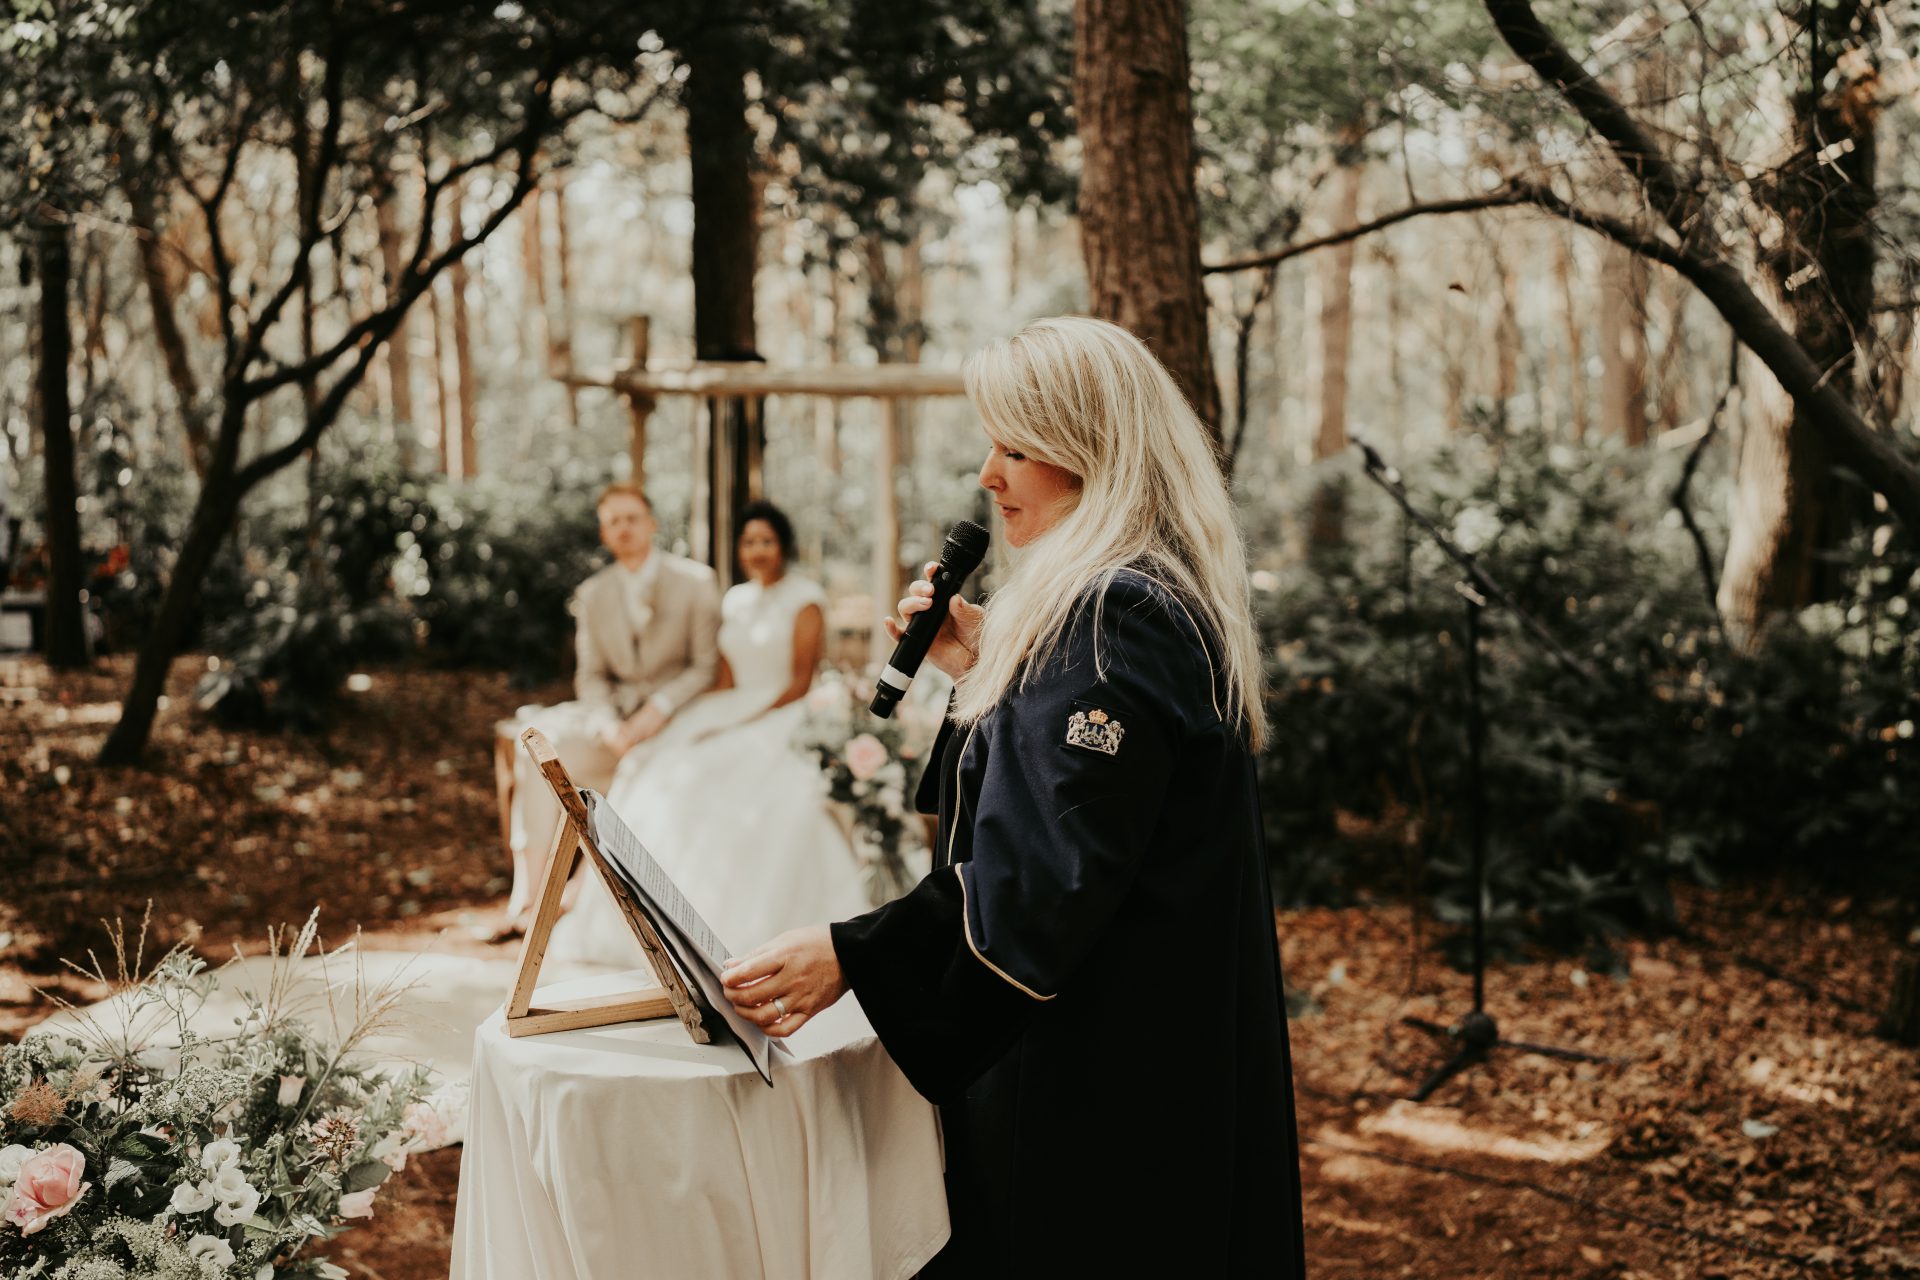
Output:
(318, 323)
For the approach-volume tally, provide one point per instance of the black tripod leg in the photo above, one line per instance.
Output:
(1568, 1055)
(1469, 1055)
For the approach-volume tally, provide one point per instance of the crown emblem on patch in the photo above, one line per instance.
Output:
(1096, 731)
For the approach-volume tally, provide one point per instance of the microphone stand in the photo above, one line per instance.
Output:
(1476, 1035)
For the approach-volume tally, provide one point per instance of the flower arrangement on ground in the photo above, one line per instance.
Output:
(870, 768)
(133, 1146)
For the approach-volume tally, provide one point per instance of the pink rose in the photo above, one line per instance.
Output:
(48, 1187)
(866, 756)
(424, 1127)
(359, 1204)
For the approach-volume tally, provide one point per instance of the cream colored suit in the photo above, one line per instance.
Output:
(651, 639)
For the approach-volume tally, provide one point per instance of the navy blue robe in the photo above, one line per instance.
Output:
(1087, 983)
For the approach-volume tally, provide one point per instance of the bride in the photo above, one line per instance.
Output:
(720, 798)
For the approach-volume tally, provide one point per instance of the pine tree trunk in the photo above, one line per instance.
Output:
(1336, 317)
(166, 325)
(463, 372)
(179, 609)
(533, 267)
(1139, 219)
(560, 330)
(1790, 508)
(1623, 344)
(1326, 526)
(1577, 407)
(399, 358)
(1506, 342)
(65, 635)
(726, 238)
(442, 394)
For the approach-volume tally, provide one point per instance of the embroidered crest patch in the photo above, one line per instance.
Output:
(1096, 731)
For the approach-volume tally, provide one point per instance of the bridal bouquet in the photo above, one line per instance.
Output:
(207, 1159)
(870, 768)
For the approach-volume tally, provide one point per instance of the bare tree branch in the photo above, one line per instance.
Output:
(1505, 198)
(1677, 201)
(376, 328)
(310, 234)
(1854, 441)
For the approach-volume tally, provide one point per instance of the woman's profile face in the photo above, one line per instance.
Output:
(759, 551)
(1031, 495)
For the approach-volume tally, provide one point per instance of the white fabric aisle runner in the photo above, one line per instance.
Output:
(630, 1151)
(445, 998)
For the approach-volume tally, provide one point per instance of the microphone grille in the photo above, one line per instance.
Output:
(965, 548)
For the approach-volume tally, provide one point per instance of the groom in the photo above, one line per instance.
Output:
(647, 637)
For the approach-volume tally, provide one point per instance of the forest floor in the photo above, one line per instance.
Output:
(1754, 1127)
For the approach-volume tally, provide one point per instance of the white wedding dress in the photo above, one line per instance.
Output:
(725, 803)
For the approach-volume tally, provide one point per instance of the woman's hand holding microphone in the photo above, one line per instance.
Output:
(958, 644)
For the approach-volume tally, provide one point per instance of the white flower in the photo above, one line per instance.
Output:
(11, 1158)
(290, 1087)
(213, 1254)
(233, 1212)
(390, 1149)
(359, 1204)
(191, 1197)
(327, 1271)
(220, 1155)
(265, 1272)
(230, 1183)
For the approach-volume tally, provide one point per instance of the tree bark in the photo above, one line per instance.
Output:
(66, 622)
(1506, 341)
(1139, 218)
(1326, 525)
(443, 396)
(726, 240)
(166, 324)
(66, 635)
(560, 329)
(1336, 317)
(1623, 345)
(399, 357)
(1576, 346)
(179, 609)
(1791, 509)
(463, 373)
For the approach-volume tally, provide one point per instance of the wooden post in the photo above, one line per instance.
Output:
(700, 507)
(719, 462)
(639, 405)
(886, 522)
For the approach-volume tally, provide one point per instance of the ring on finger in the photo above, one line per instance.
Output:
(781, 1005)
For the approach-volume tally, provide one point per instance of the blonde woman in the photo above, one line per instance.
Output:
(1087, 983)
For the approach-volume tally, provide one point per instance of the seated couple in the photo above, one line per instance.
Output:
(686, 705)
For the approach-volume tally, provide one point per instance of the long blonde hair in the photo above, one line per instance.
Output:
(1088, 397)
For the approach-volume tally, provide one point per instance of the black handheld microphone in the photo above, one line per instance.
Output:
(966, 547)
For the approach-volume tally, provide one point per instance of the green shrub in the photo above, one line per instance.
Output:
(1680, 755)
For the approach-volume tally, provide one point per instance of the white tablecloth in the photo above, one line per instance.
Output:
(629, 1152)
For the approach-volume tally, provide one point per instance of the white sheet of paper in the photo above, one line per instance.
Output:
(696, 950)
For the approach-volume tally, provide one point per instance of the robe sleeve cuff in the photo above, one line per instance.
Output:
(943, 1016)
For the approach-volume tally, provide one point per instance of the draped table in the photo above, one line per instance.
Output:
(630, 1151)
